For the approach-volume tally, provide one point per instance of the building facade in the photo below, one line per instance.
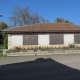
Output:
(43, 40)
(44, 34)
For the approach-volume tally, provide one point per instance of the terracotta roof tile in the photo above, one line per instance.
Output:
(46, 27)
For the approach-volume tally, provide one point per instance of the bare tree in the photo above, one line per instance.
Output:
(23, 16)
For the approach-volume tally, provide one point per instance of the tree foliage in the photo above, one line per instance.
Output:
(59, 20)
(6, 42)
(23, 16)
(62, 20)
(3, 25)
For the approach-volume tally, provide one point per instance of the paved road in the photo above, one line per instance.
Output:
(54, 67)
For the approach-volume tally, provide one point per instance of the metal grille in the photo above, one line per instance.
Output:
(30, 39)
(77, 38)
(56, 39)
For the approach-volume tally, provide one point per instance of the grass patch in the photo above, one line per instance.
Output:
(1, 53)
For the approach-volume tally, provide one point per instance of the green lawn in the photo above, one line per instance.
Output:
(1, 53)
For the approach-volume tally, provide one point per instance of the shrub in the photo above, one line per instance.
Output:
(77, 46)
(65, 47)
(35, 49)
(6, 42)
(1, 53)
(71, 46)
(17, 48)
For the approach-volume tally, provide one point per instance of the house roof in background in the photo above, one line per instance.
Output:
(45, 27)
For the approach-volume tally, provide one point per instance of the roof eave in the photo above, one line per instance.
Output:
(50, 31)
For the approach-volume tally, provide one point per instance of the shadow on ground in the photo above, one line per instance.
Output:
(39, 69)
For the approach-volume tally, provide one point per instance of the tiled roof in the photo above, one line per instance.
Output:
(44, 27)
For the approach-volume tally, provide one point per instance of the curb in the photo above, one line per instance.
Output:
(39, 54)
